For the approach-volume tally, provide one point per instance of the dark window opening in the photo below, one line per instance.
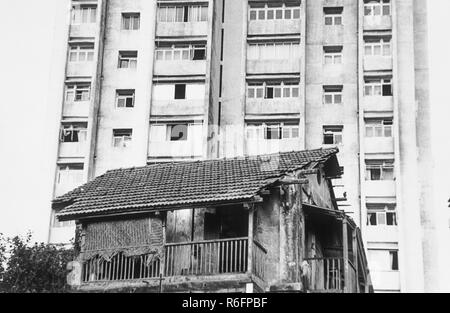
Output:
(180, 91)
(269, 93)
(178, 132)
(186, 14)
(372, 219)
(273, 133)
(70, 136)
(199, 54)
(394, 259)
(387, 90)
(375, 174)
(328, 139)
(129, 103)
(391, 219)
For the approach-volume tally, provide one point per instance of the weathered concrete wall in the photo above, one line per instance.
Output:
(267, 233)
(410, 240)
(140, 79)
(318, 74)
(233, 89)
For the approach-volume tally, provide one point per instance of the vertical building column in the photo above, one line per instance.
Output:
(405, 112)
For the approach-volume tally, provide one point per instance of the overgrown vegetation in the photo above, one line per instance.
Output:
(27, 267)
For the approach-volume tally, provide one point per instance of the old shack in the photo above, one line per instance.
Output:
(268, 223)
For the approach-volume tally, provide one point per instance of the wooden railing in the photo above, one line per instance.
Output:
(120, 268)
(202, 258)
(259, 260)
(328, 275)
(206, 257)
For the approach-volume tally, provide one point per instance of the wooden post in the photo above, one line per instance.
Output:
(250, 239)
(355, 257)
(345, 255)
(162, 261)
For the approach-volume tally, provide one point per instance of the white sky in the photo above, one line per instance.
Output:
(28, 121)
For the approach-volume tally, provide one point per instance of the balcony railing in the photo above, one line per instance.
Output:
(202, 258)
(328, 275)
(207, 258)
(120, 268)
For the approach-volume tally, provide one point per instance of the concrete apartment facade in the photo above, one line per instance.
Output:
(168, 81)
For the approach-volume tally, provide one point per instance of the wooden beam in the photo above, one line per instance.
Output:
(355, 257)
(345, 255)
(250, 240)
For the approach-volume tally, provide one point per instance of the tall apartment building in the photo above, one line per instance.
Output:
(171, 80)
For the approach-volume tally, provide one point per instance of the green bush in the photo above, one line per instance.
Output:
(27, 267)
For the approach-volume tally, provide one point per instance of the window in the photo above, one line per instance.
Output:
(272, 131)
(180, 92)
(81, 53)
(381, 215)
(125, 98)
(332, 135)
(73, 133)
(377, 7)
(274, 51)
(332, 55)
(274, 12)
(177, 132)
(378, 87)
(272, 90)
(394, 260)
(122, 138)
(332, 95)
(84, 14)
(377, 47)
(188, 13)
(181, 52)
(378, 128)
(333, 16)
(383, 260)
(379, 170)
(70, 174)
(131, 21)
(78, 92)
(128, 59)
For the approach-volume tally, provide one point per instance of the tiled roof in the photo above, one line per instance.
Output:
(182, 184)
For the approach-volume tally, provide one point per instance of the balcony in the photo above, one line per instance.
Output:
(257, 147)
(386, 280)
(76, 109)
(273, 106)
(377, 22)
(382, 233)
(177, 107)
(83, 30)
(272, 27)
(381, 188)
(327, 275)
(80, 69)
(199, 260)
(176, 149)
(181, 29)
(273, 66)
(378, 104)
(72, 150)
(377, 63)
(379, 145)
(181, 67)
